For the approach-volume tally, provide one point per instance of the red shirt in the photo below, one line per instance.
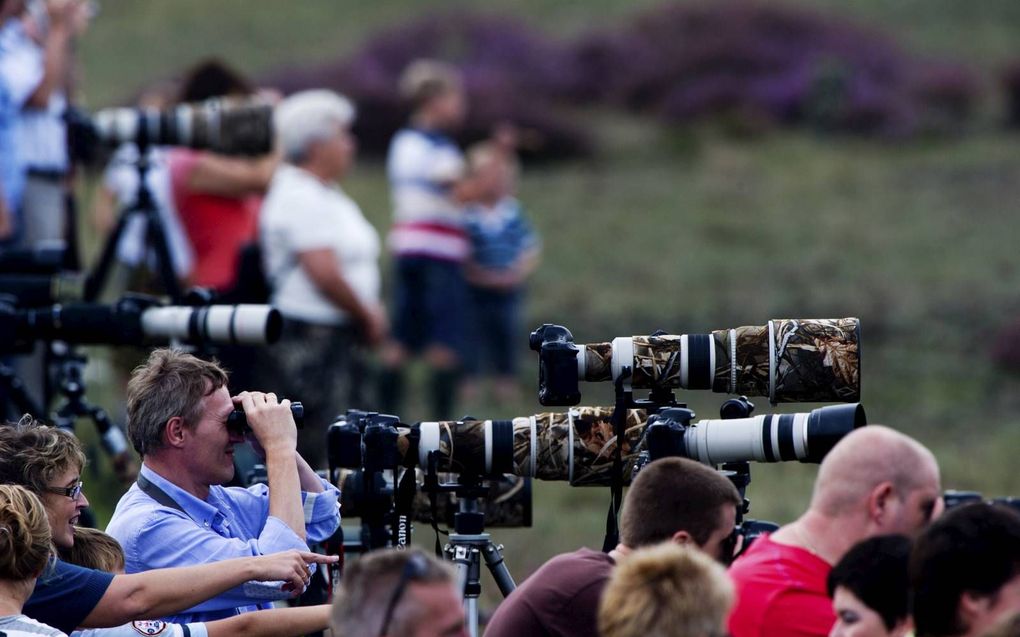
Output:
(781, 592)
(216, 226)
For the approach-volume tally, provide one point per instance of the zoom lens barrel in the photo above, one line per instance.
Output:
(787, 360)
(139, 321)
(222, 125)
(804, 437)
(219, 324)
(579, 446)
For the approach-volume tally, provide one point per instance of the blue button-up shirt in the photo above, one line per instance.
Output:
(231, 522)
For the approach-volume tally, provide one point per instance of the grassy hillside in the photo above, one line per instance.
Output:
(692, 231)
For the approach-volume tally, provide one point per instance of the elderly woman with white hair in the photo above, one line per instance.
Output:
(322, 261)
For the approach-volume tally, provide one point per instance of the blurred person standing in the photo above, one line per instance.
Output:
(666, 591)
(875, 481)
(25, 547)
(43, 38)
(18, 79)
(504, 253)
(217, 197)
(428, 240)
(322, 261)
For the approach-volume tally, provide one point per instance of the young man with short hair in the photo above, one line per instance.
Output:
(671, 500)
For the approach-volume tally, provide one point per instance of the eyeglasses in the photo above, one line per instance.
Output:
(415, 568)
(72, 492)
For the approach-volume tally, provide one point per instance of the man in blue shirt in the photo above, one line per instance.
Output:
(178, 514)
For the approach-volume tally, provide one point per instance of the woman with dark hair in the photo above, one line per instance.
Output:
(217, 196)
(870, 589)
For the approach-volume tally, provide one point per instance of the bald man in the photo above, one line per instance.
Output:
(876, 481)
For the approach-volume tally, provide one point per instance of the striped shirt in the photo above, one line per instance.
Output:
(423, 167)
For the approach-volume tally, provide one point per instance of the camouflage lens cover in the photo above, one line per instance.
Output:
(788, 360)
(803, 360)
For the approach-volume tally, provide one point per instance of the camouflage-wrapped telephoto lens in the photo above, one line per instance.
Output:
(788, 360)
(578, 446)
(507, 505)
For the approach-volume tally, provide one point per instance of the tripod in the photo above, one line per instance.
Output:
(76, 405)
(469, 543)
(155, 237)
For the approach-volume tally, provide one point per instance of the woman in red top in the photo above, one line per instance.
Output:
(217, 196)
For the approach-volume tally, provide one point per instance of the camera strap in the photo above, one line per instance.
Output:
(157, 494)
(619, 420)
(403, 508)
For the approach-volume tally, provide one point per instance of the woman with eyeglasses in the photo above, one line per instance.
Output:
(48, 462)
(24, 552)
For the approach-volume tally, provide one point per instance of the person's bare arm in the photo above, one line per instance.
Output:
(166, 591)
(56, 51)
(323, 269)
(274, 427)
(527, 263)
(231, 176)
(275, 622)
(310, 482)
(104, 210)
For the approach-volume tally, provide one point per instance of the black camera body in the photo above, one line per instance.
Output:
(954, 499)
(238, 420)
(363, 440)
(557, 365)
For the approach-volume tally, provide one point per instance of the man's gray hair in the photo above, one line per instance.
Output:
(170, 383)
(309, 116)
(369, 584)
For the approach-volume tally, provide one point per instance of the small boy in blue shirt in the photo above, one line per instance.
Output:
(504, 252)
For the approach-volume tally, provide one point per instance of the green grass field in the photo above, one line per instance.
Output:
(691, 231)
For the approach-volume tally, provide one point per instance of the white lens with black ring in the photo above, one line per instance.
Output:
(623, 355)
(428, 441)
(717, 441)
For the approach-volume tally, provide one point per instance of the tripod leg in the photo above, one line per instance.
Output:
(497, 566)
(465, 559)
(158, 240)
(471, 611)
(95, 280)
(18, 395)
